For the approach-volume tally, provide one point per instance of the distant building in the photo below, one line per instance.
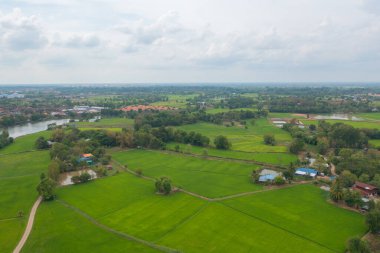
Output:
(12, 95)
(137, 108)
(88, 158)
(365, 190)
(306, 172)
(268, 175)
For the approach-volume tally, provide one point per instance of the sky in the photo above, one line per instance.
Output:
(189, 41)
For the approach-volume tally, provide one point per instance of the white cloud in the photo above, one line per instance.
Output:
(146, 41)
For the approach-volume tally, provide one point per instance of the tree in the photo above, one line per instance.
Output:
(255, 176)
(84, 177)
(221, 142)
(347, 178)
(41, 143)
(296, 146)
(312, 127)
(53, 170)
(46, 189)
(357, 245)
(163, 185)
(279, 180)
(373, 220)
(364, 178)
(352, 198)
(269, 139)
(336, 191)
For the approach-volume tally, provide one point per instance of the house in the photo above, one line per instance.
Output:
(365, 190)
(306, 172)
(268, 175)
(88, 158)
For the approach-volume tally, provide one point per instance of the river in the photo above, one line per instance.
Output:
(31, 128)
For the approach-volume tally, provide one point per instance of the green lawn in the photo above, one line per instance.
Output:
(60, 229)
(271, 158)
(107, 123)
(24, 143)
(249, 140)
(296, 219)
(210, 178)
(19, 176)
(303, 210)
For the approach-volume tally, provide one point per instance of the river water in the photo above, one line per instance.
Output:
(31, 128)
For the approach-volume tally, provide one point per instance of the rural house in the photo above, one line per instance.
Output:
(365, 190)
(268, 175)
(88, 158)
(306, 172)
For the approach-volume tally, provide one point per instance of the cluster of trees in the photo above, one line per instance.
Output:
(46, 187)
(269, 139)
(239, 102)
(163, 185)
(182, 117)
(12, 120)
(82, 178)
(5, 140)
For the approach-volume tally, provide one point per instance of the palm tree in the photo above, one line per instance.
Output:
(336, 191)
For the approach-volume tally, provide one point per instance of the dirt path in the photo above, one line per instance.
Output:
(29, 226)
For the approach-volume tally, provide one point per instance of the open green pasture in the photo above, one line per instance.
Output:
(211, 178)
(296, 219)
(24, 143)
(271, 158)
(60, 229)
(249, 140)
(19, 176)
(107, 123)
(285, 115)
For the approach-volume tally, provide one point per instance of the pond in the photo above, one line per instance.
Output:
(31, 128)
(338, 117)
(65, 178)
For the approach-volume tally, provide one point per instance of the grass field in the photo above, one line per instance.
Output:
(375, 143)
(271, 158)
(60, 229)
(209, 178)
(178, 101)
(249, 140)
(218, 110)
(107, 123)
(19, 176)
(356, 124)
(285, 115)
(370, 116)
(296, 219)
(24, 143)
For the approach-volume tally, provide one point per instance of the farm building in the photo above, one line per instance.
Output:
(365, 190)
(88, 158)
(268, 175)
(306, 172)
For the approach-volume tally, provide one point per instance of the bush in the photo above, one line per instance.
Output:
(139, 172)
(269, 139)
(221, 142)
(279, 180)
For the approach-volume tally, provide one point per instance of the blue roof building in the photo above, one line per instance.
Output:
(306, 172)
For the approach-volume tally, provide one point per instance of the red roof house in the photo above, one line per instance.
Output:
(366, 190)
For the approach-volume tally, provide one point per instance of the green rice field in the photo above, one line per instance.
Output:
(107, 123)
(210, 178)
(296, 219)
(269, 158)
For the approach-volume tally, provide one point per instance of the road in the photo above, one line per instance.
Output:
(29, 226)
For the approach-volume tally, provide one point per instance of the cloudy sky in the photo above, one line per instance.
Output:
(81, 41)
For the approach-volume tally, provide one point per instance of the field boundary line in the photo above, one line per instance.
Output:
(184, 221)
(279, 227)
(119, 233)
(219, 158)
